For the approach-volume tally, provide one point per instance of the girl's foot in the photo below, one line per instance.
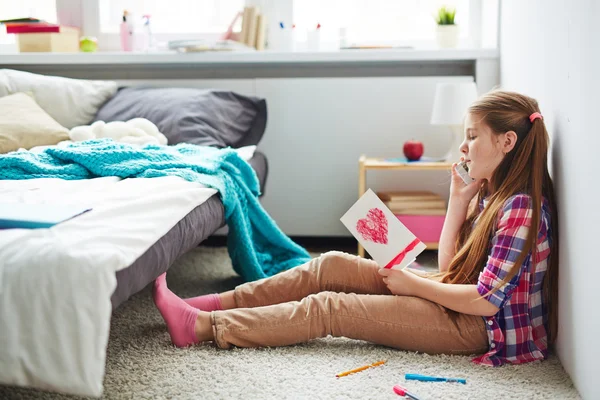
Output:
(178, 315)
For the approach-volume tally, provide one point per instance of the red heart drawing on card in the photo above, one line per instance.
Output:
(374, 227)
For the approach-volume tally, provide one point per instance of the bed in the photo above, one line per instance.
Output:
(59, 286)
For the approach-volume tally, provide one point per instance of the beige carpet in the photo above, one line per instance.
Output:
(142, 364)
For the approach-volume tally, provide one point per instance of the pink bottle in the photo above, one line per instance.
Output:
(126, 33)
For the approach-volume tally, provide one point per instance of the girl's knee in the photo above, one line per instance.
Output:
(332, 255)
(332, 263)
(331, 259)
(340, 259)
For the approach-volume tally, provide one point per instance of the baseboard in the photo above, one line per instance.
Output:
(312, 243)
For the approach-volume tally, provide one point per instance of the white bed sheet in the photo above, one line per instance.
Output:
(56, 284)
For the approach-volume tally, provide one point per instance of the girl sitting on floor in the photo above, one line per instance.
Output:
(496, 292)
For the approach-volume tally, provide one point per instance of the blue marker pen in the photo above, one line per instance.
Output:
(281, 25)
(425, 378)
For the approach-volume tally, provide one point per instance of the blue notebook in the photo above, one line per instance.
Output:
(33, 216)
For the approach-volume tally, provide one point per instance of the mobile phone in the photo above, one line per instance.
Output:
(463, 172)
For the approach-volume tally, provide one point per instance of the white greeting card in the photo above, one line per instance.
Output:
(379, 231)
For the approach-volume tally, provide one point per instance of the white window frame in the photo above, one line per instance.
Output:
(481, 31)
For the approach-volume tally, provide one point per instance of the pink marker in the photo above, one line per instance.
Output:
(399, 390)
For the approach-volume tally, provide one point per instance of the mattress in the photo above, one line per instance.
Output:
(190, 231)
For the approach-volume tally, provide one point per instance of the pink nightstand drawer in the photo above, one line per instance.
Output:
(427, 228)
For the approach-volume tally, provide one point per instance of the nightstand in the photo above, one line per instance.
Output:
(366, 163)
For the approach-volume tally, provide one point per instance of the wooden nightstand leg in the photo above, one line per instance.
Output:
(361, 250)
(362, 188)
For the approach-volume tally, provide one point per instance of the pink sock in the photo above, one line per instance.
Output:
(178, 315)
(207, 302)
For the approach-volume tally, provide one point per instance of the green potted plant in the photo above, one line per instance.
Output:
(447, 30)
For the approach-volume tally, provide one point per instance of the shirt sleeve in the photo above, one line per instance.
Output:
(507, 244)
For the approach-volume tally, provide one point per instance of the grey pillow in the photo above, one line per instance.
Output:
(209, 117)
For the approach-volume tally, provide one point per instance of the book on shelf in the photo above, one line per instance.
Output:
(253, 33)
(252, 36)
(433, 203)
(40, 27)
(419, 211)
(415, 195)
(27, 20)
(201, 45)
(414, 203)
(29, 25)
(249, 20)
(261, 32)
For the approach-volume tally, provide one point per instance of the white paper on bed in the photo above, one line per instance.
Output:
(56, 284)
(388, 241)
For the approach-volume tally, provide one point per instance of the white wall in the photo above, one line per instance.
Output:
(549, 50)
(319, 127)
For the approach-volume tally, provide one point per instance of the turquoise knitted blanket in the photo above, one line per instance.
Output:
(256, 245)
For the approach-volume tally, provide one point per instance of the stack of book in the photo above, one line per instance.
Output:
(254, 28)
(423, 213)
(29, 25)
(35, 35)
(414, 203)
(202, 45)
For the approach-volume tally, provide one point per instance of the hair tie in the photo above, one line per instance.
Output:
(535, 116)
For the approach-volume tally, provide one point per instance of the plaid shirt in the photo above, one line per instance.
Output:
(517, 333)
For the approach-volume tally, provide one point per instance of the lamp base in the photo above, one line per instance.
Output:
(454, 154)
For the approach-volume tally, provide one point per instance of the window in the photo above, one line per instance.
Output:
(377, 21)
(42, 9)
(365, 22)
(172, 16)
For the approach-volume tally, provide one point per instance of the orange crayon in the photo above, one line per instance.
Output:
(360, 369)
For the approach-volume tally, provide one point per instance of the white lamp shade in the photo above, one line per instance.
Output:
(452, 101)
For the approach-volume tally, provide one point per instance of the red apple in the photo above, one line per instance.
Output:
(413, 150)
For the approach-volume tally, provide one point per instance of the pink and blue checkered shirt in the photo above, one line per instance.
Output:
(517, 333)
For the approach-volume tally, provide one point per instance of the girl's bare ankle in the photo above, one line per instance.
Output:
(228, 300)
(203, 327)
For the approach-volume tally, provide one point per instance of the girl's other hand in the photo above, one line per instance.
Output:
(400, 282)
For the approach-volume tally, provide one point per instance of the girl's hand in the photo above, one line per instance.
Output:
(400, 282)
(458, 189)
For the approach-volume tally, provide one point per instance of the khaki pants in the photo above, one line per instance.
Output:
(340, 294)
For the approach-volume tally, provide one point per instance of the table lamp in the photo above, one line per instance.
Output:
(449, 108)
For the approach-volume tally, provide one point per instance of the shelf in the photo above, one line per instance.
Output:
(381, 163)
(250, 57)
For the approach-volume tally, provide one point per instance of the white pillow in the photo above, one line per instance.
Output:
(71, 102)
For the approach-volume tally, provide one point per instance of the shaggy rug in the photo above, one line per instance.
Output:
(142, 363)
